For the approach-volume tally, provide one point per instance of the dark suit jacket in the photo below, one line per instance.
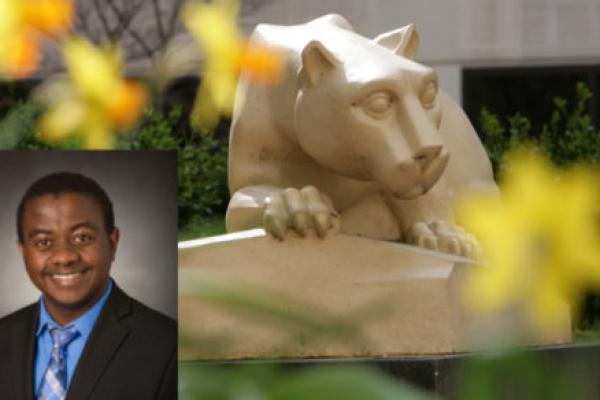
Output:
(131, 354)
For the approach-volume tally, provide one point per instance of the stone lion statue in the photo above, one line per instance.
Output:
(356, 138)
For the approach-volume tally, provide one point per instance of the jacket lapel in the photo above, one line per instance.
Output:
(21, 358)
(106, 338)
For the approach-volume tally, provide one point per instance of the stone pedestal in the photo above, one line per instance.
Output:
(389, 299)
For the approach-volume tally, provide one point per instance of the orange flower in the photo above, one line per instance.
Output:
(22, 22)
(126, 105)
(20, 57)
(261, 64)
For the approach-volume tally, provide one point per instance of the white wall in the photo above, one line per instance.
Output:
(457, 33)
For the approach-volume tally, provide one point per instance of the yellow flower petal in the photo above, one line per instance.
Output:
(215, 27)
(94, 73)
(541, 245)
(205, 114)
(548, 305)
(62, 120)
(9, 18)
(97, 137)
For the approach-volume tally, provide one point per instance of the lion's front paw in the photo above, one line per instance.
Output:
(300, 210)
(440, 236)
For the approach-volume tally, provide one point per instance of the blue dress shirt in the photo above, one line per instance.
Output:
(83, 324)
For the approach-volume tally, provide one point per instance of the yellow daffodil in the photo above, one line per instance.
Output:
(226, 56)
(95, 100)
(541, 242)
(21, 24)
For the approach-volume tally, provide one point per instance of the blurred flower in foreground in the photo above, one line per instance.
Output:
(21, 24)
(541, 243)
(226, 56)
(95, 100)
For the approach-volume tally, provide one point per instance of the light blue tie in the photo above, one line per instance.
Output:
(54, 383)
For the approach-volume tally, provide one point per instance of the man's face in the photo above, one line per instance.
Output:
(67, 251)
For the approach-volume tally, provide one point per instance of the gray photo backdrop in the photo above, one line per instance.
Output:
(143, 188)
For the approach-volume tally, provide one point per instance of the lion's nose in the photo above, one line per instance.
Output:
(425, 155)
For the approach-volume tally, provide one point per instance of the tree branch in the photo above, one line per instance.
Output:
(125, 23)
(157, 17)
(174, 18)
(103, 20)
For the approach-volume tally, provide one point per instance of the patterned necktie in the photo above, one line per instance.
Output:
(54, 383)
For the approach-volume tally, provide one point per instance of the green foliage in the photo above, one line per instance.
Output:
(590, 316)
(202, 163)
(203, 179)
(18, 129)
(567, 137)
(498, 138)
(208, 226)
(264, 381)
(570, 136)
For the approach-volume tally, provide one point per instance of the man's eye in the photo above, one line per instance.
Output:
(83, 238)
(42, 243)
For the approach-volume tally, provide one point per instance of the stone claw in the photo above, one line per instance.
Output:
(301, 211)
(438, 235)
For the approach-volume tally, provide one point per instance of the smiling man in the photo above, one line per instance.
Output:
(85, 338)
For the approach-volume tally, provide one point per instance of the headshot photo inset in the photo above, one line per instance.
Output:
(88, 289)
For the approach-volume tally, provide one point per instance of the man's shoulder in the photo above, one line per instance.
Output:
(21, 316)
(140, 317)
(147, 317)
(16, 329)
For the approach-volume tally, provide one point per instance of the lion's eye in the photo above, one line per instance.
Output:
(378, 105)
(429, 94)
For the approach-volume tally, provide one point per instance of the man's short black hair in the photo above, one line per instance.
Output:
(67, 182)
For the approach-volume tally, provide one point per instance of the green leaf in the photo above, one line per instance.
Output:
(344, 383)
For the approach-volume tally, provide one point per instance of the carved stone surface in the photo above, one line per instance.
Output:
(403, 299)
(357, 136)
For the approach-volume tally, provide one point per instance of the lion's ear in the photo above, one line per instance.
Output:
(403, 41)
(317, 61)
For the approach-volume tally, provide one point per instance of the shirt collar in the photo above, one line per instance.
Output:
(84, 324)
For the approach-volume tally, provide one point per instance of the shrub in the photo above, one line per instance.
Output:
(568, 137)
(202, 163)
(18, 129)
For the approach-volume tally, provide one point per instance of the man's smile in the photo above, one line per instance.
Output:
(67, 279)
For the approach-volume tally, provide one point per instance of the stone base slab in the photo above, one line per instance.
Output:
(388, 299)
